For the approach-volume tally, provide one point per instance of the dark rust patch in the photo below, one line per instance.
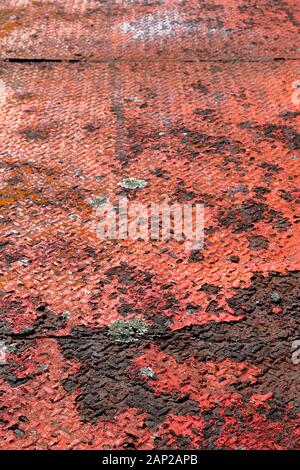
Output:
(264, 337)
(10, 371)
(257, 242)
(270, 305)
(35, 134)
(243, 217)
(45, 321)
(105, 384)
(207, 114)
(284, 134)
(199, 86)
(209, 143)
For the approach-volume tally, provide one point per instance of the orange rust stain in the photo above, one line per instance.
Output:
(11, 195)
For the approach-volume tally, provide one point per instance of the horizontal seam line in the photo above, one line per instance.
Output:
(135, 61)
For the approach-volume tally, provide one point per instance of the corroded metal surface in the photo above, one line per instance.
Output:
(144, 344)
(149, 29)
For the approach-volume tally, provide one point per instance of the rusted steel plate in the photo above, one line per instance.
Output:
(57, 140)
(193, 133)
(59, 29)
(148, 344)
(91, 394)
(213, 29)
(149, 30)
